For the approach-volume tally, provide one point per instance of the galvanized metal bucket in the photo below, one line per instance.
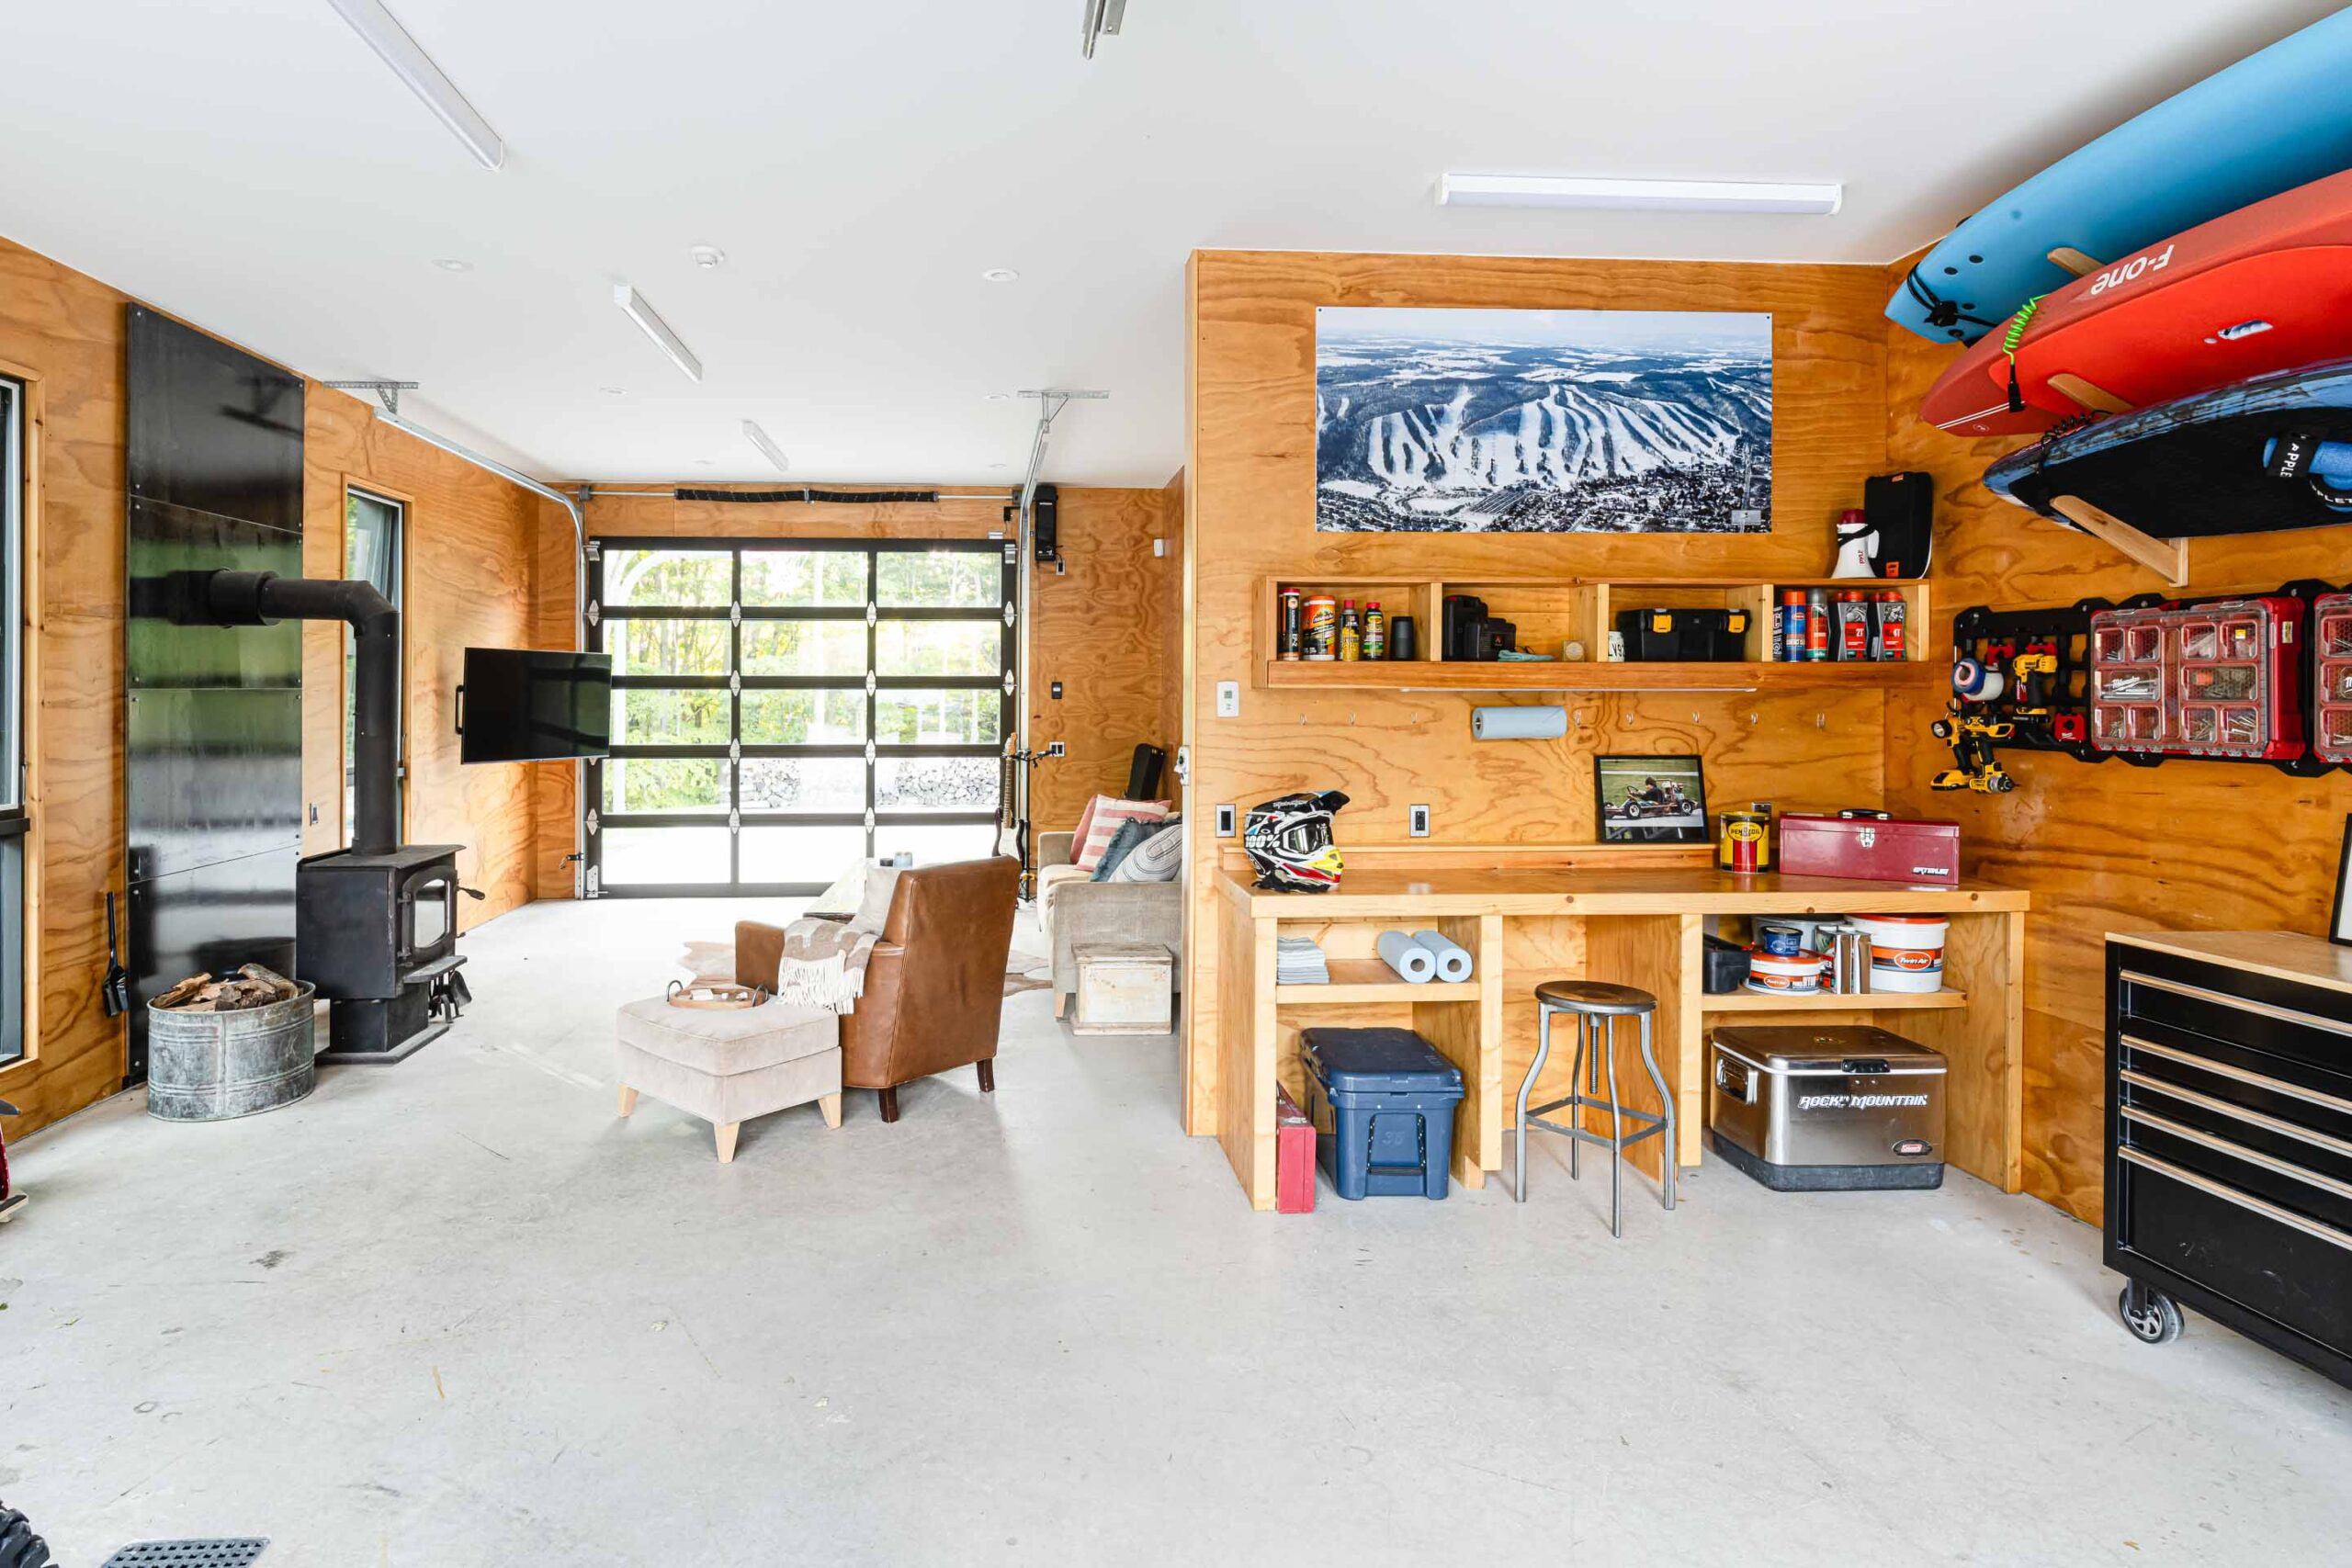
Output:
(211, 1066)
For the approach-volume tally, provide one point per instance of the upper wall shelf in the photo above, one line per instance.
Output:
(1553, 612)
(1557, 675)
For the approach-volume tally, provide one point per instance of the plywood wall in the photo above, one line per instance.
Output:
(1102, 627)
(1249, 480)
(65, 333)
(468, 582)
(2106, 847)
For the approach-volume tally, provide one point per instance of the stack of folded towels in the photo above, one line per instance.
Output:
(1299, 962)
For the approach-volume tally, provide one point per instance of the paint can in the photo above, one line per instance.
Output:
(1322, 638)
(1746, 842)
(1778, 938)
(1797, 975)
(1293, 628)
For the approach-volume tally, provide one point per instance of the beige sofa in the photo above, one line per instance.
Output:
(1074, 909)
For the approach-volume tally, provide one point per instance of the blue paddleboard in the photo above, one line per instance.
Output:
(2273, 121)
(2205, 465)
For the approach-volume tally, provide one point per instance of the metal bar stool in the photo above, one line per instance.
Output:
(1597, 1008)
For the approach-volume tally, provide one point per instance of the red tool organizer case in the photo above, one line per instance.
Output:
(2332, 635)
(2219, 678)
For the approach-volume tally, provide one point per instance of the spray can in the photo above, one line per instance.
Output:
(1790, 625)
(1376, 631)
(1816, 625)
(1350, 634)
(1294, 624)
(1854, 625)
(1890, 642)
(1322, 628)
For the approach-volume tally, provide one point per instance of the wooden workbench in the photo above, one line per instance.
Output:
(1634, 927)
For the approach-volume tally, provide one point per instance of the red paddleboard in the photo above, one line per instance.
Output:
(2266, 288)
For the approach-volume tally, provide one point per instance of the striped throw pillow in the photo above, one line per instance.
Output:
(1157, 859)
(1102, 819)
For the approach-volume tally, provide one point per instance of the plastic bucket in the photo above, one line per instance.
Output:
(1906, 951)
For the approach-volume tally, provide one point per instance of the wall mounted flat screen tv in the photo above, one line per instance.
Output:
(522, 705)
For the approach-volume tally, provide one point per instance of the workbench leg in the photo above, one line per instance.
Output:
(1248, 1045)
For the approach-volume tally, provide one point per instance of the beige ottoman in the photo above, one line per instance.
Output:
(728, 1066)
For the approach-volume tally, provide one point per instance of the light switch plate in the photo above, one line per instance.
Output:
(1224, 821)
(1228, 699)
(1417, 819)
(1056, 750)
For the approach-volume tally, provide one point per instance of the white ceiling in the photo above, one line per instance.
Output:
(249, 164)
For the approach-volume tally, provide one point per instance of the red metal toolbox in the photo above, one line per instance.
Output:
(1871, 846)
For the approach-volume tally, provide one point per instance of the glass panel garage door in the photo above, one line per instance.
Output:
(783, 706)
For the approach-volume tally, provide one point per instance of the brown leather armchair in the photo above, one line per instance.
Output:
(934, 987)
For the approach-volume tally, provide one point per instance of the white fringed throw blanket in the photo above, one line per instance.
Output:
(824, 965)
(824, 960)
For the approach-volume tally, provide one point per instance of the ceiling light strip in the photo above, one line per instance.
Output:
(383, 33)
(634, 306)
(767, 446)
(1639, 195)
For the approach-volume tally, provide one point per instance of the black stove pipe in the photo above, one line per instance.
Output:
(263, 599)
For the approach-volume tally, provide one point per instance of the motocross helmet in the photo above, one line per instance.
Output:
(1289, 841)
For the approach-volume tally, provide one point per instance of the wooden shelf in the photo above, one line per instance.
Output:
(1359, 980)
(1832, 1001)
(1381, 675)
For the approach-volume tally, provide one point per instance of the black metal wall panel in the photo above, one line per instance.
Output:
(212, 770)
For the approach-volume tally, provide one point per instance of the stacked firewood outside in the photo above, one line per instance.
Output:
(253, 986)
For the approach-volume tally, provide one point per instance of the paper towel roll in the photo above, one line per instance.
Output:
(1519, 723)
(1452, 958)
(1408, 957)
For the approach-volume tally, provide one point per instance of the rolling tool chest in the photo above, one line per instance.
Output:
(2229, 1136)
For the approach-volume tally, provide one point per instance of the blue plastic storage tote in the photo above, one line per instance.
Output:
(1382, 1100)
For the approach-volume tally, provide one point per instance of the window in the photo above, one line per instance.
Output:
(13, 821)
(371, 551)
(782, 708)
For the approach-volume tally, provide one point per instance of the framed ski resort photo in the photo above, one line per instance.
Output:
(1542, 421)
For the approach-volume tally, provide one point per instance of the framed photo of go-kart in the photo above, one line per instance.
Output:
(1650, 800)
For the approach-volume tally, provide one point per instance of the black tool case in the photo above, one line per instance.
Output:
(2229, 1137)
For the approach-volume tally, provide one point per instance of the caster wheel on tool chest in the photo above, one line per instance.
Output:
(2152, 1316)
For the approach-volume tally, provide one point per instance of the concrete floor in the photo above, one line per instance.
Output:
(454, 1313)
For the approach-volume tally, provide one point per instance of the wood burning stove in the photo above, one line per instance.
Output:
(374, 925)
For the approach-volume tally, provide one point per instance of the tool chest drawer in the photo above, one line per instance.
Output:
(2229, 1123)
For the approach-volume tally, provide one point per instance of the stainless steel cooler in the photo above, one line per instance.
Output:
(1826, 1110)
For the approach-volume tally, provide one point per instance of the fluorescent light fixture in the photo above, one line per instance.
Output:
(633, 305)
(383, 33)
(1637, 196)
(768, 449)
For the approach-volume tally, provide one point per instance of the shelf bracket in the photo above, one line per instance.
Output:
(2168, 558)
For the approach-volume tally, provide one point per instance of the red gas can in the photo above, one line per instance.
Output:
(1871, 846)
(1294, 1158)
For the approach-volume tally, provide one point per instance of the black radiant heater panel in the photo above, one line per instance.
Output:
(212, 774)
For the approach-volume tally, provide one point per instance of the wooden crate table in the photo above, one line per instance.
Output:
(1123, 987)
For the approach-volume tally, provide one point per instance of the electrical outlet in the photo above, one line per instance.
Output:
(1228, 699)
(1054, 748)
(1224, 829)
(1417, 819)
